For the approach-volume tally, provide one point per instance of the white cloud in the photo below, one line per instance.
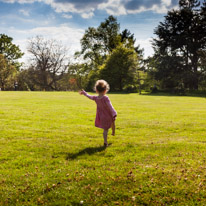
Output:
(87, 15)
(62, 33)
(113, 7)
(158, 9)
(166, 2)
(67, 16)
(120, 7)
(24, 12)
(84, 10)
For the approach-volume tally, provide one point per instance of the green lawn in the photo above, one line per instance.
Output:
(51, 153)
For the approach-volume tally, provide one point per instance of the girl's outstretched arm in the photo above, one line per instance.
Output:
(87, 95)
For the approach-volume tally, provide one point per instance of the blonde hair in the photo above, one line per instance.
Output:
(101, 86)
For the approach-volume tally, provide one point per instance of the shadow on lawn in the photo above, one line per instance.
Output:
(88, 150)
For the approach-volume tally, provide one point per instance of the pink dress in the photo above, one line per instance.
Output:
(105, 112)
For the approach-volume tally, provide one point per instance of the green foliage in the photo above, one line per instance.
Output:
(109, 34)
(7, 74)
(80, 73)
(92, 77)
(51, 153)
(9, 55)
(180, 37)
(151, 71)
(10, 51)
(99, 44)
(169, 71)
(27, 80)
(120, 68)
(202, 69)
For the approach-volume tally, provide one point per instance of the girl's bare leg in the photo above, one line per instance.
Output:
(113, 128)
(105, 136)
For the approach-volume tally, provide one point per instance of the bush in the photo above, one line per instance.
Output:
(130, 89)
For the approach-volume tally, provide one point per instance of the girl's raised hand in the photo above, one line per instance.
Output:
(81, 92)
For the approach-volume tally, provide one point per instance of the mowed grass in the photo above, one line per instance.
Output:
(51, 153)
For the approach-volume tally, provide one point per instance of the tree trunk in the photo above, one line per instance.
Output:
(120, 84)
(196, 78)
(2, 85)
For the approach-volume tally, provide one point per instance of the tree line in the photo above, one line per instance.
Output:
(178, 63)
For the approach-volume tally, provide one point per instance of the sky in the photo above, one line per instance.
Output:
(67, 20)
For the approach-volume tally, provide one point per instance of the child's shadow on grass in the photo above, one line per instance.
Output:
(88, 150)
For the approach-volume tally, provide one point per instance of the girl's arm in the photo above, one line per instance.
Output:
(87, 95)
(111, 108)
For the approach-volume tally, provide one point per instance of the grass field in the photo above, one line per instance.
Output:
(51, 153)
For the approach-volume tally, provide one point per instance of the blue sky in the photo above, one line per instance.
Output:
(66, 20)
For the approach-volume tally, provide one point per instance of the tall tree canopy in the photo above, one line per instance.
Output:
(10, 51)
(179, 39)
(120, 68)
(9, 55)
(7, 73)
(100, 44)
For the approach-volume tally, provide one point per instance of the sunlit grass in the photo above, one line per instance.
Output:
(51, 153)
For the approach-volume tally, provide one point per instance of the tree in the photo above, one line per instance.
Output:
(7, 73)
(49, 62)
(27, 79)
(109, 34)
(98, 42)
(10, 51)
(120, 68)
(202, 69)
(180, 37)
(128, 40)
(77, 75)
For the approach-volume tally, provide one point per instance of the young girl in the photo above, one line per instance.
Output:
(106, 114)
